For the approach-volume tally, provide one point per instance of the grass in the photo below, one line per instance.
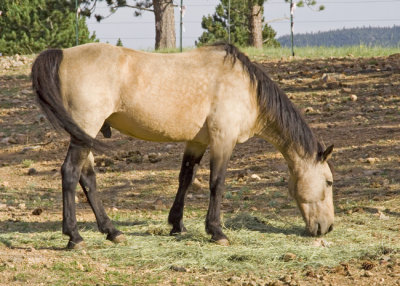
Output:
(259, 244)
(309, 52)
(26, 163)
(321, 52)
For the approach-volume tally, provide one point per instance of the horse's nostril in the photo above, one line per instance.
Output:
(330, 228)
(319, 229)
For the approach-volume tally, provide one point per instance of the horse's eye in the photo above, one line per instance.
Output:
(329, 183)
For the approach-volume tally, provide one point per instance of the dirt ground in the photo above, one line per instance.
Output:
(353, 103)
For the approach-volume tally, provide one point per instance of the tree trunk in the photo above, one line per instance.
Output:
(255, 23)
(165, 24)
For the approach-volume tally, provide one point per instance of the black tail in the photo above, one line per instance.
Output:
(46, 84)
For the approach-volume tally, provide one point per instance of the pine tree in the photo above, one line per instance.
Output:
(119, 43)
(163, 15)
(216, 25)
(309, 3)
(30, 26)
(255, 23)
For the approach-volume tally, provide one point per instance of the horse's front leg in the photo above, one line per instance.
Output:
(191, 158)
(88, 184)
(71, 172)
(218, 164)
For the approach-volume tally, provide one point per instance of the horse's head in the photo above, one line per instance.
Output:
(310, 184)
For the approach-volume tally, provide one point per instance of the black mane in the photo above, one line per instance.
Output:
(276, 109)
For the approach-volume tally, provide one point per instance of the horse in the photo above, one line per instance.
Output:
(213, 96)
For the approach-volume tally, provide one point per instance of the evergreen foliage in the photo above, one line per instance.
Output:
(368, 36)
(216, 25)
(139, 5)
(119, 43)
(309, 3)
(30, 26)
(163, 11)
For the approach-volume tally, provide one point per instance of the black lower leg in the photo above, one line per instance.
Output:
(88, 184)
(106, 130)
(213, 222)
(188, 171)
(70, 172)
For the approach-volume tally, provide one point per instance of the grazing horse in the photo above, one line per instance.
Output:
(212, 96)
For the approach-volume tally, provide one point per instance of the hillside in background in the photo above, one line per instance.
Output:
(370, 36)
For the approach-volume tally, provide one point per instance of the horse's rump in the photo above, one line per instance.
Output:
(46, 83)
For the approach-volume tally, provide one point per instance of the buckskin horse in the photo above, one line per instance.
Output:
(211, 96)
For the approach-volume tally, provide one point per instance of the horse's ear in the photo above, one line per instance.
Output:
(327, 153)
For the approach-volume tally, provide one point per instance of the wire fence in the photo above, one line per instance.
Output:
(192, 25)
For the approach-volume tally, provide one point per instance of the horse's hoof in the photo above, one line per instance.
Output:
(222, 242)
(76, 245)
(119, 238)
(175, 232)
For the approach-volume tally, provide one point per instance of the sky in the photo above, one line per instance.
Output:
(139, 32)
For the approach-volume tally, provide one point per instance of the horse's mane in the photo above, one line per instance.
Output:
(276, 109)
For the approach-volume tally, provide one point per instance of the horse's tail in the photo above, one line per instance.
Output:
(46, 84)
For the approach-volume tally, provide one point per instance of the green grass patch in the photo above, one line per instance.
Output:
(26, 163)
(308, 52)
(319, 52)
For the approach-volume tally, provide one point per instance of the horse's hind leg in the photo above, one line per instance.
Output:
(106, 130)
(88, 184)
(192, 157)
(71, 171)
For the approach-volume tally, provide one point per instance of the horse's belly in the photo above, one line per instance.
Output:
(153, 129)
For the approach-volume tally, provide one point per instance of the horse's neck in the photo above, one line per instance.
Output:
(293, 157)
